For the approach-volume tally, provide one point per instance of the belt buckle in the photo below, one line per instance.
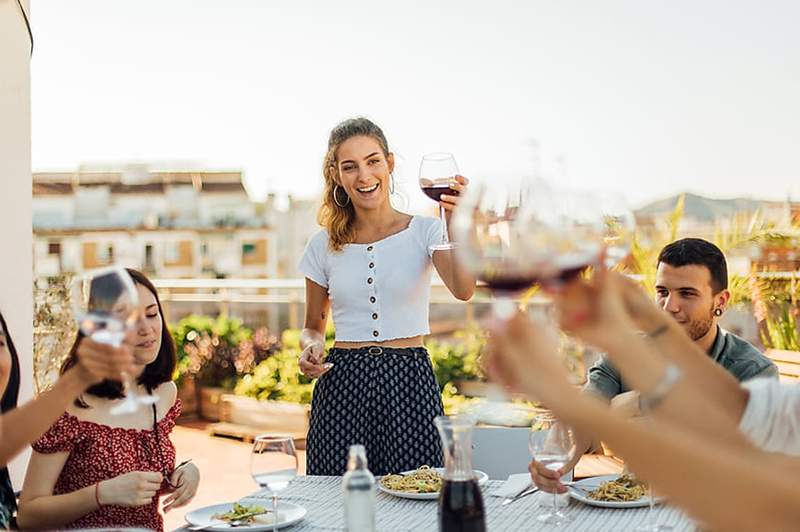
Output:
(375, 350)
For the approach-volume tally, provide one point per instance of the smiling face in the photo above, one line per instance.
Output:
(364, 172)
(685, 292)
(146, 340)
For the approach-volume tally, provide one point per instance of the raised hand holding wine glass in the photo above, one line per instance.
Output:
(105, 303)
(440, 181)
(552, 443)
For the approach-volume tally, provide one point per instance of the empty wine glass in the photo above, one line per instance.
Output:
(437, 172)
(273, 465)
(552, 443)
(105, 303)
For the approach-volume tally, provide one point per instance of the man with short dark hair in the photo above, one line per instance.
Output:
(692, 286)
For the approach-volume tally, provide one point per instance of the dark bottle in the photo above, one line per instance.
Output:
(460, 501)
(461, 507)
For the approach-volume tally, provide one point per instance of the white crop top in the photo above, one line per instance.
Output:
(378, 291)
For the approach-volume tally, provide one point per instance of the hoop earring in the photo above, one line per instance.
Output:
(718, 312)
(336, 198)
(391, 183)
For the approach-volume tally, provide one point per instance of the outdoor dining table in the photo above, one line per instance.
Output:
(322, 497)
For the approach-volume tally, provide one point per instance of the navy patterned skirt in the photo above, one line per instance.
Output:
(383, 398)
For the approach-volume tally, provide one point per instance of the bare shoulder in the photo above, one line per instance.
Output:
(167, 393)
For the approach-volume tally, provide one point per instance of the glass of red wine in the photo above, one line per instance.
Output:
(437, 172)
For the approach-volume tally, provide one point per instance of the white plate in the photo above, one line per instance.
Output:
(482, 478)
(288, 513)
(592, 483)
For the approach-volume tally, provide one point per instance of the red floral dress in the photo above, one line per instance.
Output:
(99, 452)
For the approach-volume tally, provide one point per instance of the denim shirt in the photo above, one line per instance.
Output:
(735, 354)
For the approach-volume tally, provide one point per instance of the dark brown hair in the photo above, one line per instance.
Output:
(155, 373)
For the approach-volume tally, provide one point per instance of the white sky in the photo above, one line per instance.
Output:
(644, 97)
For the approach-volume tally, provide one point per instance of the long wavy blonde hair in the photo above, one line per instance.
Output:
(339, 221)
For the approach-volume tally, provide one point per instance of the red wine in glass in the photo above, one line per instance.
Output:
(461, 507)
(437, 172)
(512, 283)
(436, 190)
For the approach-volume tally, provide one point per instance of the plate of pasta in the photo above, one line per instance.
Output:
(423, 483)
(611, 491)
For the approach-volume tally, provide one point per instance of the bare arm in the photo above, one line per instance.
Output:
(38, 507)
(95, 362)
(608, 311)
(727, 485)
(32, 419)
(456, 278)
(312, 338)
(719, 387)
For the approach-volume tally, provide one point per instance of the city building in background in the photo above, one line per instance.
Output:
(186, 224)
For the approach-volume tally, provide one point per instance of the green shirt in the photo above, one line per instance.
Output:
(735, 354)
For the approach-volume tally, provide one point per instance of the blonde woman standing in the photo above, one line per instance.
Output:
(371, 265)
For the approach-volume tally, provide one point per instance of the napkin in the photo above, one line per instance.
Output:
(516, 484)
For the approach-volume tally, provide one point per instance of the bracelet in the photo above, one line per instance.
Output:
(659, 331)
(96, 495)
(650, 400)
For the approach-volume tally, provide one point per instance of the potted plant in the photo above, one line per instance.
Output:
(212, 353)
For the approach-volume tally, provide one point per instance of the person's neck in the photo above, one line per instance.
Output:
(374, 224)
(706, 342)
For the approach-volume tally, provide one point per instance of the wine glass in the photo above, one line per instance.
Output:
(273, 465)
(517, 232)
(552, 443)
(437, 172)
(652, 524)
(105, 303)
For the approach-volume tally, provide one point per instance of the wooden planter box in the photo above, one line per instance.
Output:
(268, 416)
(187, 393)
(788, 363)
(210, 402)
(472, 388)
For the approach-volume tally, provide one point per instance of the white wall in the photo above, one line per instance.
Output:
(16, 278)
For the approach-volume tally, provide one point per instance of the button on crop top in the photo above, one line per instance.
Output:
(378, 291)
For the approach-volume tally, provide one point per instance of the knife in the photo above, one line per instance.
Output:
(525, 493)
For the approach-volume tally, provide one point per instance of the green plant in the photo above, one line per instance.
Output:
(776, 306)
(217, 350)
(278, 377)
(457, 359)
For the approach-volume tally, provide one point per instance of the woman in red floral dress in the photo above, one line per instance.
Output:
(96, 469)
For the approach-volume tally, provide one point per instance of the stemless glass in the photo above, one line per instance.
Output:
(273, 465)
(552, 443)
(437, 172)
(106, 307)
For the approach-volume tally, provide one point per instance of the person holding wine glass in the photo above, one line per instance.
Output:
(24, 424)
(371, 265)
(95, 468)
(691, 287)
(709, 443)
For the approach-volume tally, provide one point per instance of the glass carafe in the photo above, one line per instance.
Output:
(460, 500)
